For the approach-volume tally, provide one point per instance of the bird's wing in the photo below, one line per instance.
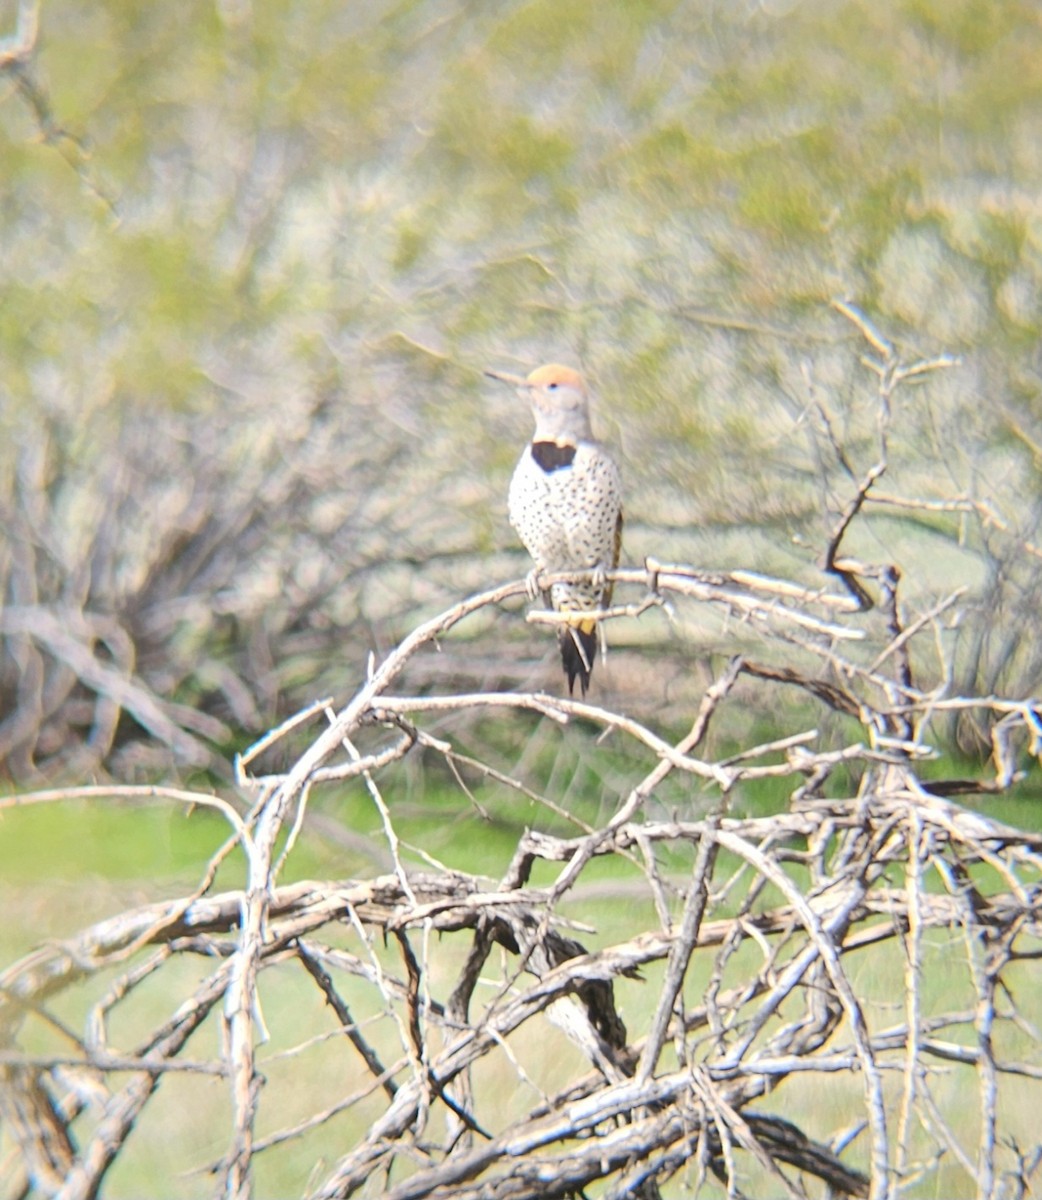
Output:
(616, 550)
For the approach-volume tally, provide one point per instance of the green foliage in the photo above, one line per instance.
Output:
(261, 256)
(253, 259)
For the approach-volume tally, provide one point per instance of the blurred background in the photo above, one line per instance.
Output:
(254, 257)
(253, 261)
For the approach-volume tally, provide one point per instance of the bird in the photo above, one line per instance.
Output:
(565, 502)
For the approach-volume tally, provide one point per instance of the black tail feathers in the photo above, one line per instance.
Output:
(578, 650)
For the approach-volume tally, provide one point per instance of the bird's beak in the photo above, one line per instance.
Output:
(506, 377)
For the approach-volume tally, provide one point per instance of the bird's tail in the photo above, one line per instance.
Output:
(578, 644)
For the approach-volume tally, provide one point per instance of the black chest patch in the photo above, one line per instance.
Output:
(551, 457)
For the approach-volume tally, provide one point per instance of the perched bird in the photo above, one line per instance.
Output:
(566, 504)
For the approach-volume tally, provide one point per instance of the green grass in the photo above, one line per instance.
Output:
(63, 865)
(309, 195)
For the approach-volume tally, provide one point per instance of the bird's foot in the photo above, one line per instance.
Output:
(600, 578)
(532, 585)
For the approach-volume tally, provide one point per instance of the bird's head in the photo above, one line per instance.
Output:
(559, 402)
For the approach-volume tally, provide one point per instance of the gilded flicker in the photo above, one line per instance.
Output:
(566, 504)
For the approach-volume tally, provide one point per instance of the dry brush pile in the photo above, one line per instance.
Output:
(771, 915)
(684, 991)
(843, 990)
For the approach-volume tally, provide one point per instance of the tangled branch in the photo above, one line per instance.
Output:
(771, 912)
(762, 1010)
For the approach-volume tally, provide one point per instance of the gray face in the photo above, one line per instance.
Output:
(557, 395)
(558, 398)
